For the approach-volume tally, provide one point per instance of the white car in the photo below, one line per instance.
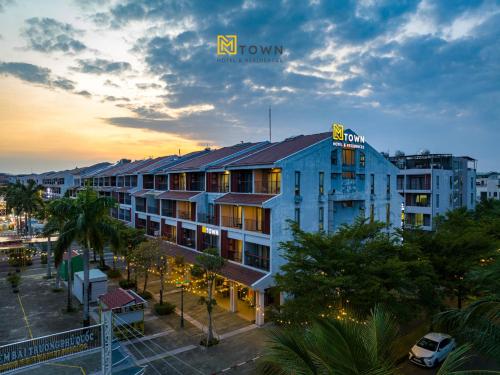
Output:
(432, 349)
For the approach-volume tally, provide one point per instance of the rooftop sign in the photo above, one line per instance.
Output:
(346, 140)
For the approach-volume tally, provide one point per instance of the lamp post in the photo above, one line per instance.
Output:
(181, 284)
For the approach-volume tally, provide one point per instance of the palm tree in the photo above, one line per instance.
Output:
(89, 224)
(31, 201)
(331, 346)
(60, 211)
(14, 201)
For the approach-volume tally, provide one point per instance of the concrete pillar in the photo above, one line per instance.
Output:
(233, 297)
(259, 308)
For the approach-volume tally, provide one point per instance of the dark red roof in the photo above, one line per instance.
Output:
(280, 150)
(116, 298)
(210, 157)
(178, 195)
(115, 169)
(142, 166)
(241, 155)
(244, 199)
(231, 271)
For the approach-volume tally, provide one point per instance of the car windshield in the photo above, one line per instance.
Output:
(427, 344)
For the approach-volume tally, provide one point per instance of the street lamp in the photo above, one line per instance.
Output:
(181, 284)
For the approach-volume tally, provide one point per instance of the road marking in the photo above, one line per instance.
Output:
(149, 337)
(165, 354)
(62, 365)
(25, 317)
(237, 331)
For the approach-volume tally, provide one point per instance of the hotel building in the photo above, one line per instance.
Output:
(432, 184)
(239, 199)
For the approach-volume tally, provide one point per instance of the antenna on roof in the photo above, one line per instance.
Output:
(269, 123)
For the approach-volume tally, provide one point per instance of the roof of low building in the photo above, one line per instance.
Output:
(178, 195)
(244, 199)
(117, 298)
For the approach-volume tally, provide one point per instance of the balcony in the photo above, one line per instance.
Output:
(231, 222)
(186, 215)
(206, 218)
(155, 210)
(267, 187)
(169, 212)
(140, 207)
(254, 225)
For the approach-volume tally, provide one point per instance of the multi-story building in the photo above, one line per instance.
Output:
(433, 184)
(238, 199)
(488, 186)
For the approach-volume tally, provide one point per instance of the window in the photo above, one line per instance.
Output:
(472, 199)
(297, 183)
(297, 216)
(437, 182)
(437, 200)
(388, 189)
(348, 175)
(372, 213)
(348, 157)
(334, 157)
(388, 214)
(321, 183)
(372, 183)
(472, 183)
(362, 159)
(451, 182)
(321, 225)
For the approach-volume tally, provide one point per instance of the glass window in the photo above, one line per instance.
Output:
(348, 157)
(297, 216)
(321, 183)
(297, 183)
(321, 219)
(334, 157)
(388, 184)
(348, 175)
(372, 213)
(362, 159)
(437, 182)
(437, 200)
(388, 214)
(372, 183)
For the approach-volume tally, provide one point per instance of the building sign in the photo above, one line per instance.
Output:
(42, 349)
(213, 232)
(346, 140)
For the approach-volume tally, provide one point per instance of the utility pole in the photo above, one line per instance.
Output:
(269, 123)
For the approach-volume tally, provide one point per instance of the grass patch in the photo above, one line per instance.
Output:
(125, 284)
(114, 274)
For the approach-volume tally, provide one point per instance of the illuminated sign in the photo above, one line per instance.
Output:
(346, 140)
(42, 349)
(211, 231)
(227, 44)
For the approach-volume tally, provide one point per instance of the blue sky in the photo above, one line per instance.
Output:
(144, 77)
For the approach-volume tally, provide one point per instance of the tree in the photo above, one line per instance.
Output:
(145, 256)
(89, 225)
(211, 263)
(334, 346)
(32, 201)
(353, 269)
(130, 238)
(461, 240)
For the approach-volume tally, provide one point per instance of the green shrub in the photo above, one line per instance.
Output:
(114, 274)
(126, 284)
(165, 309)
(43, 258)
(14, 279)
(212, 342)
(146, 295)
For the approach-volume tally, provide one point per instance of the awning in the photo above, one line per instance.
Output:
(141, 193)
(244, 199)
(231, 271)
(179, 195)
(124, 189)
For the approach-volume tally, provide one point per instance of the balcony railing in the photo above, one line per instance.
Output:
(140, 208)
(231, 222)
(189, 242)
(186, 215)
(257, 261)
(205, 218)
(168, 212)
(162, 186)
(215, 188)
(253, 225)
(234, 255)
(153, 210)
(267, 187)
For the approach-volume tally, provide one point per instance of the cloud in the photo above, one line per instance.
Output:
(102, 66)
(37, 75)
(48, 35)
(111, 98)
(4, 4)
(84, 93)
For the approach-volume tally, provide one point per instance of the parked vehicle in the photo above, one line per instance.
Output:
(432, 349)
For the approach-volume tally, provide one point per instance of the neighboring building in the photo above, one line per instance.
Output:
(433, 184)
(488, 186)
